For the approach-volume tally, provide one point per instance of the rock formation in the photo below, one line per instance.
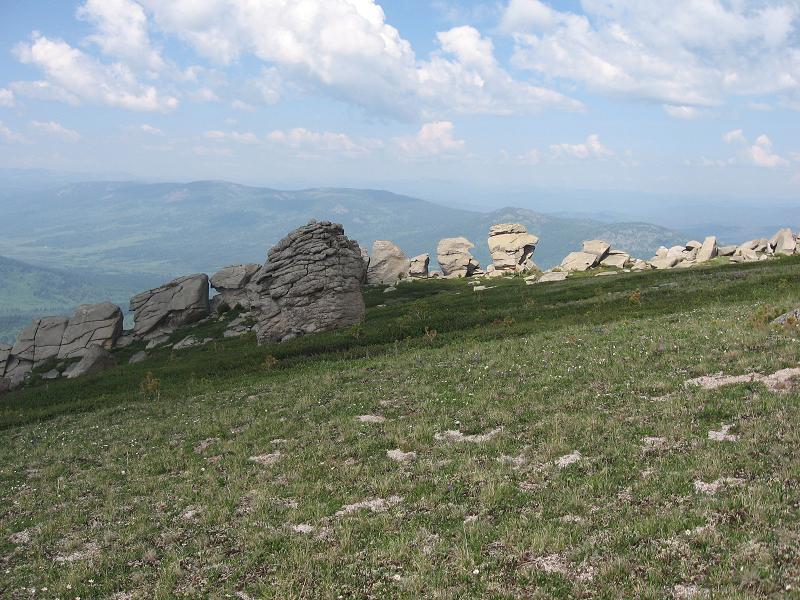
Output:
(387, 264)
(455, 259)
(597, 247)
(161, 310)
(311, 282)
(707, 251)
(579, 261)
(512, 248)
(91, 325)
(231, 285)
(784, 242)
(95, 359)
(5, 352)
(418, 268)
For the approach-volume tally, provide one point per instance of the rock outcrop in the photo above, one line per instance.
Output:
(418, 268)
(784, 242)
(387, 264)
(707, 251)
(41, 340)
(597, 247)
(91, 325)
(5, 352)
(95, 359)
(231, 285)
(163, 309)
(512, 248)
(311, 282)
(455, 259)
(579, 261)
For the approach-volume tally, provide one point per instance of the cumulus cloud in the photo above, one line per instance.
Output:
(150, 130)
(679, 53)
(6, 98)
(321, 142)
(759, 154)
(432, 139)
(591, 148)
(76, 77)
(55, 129)
(239, 137)
(8, 135)
(681, 112)
(122, 31)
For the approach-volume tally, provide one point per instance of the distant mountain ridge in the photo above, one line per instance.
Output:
(172, 228)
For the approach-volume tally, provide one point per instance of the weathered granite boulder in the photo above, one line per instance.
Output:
(95, 359)
(708, 250)
(41, 340)
(784, 242)
(790, 318)
(91, 324)
(694, 245)
(5, 385)
(676, 251)
(664, 262)
(5, 351)
(387, 264)
(726, 250)
(597, 247)
(552, 276)
(231, 285)
(418, 268)
(616, 259)
(311, 282)
(455, 258)
(512, 248)
(161, 310)
(579, 261)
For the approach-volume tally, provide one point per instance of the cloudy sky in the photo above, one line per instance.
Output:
(686, 96)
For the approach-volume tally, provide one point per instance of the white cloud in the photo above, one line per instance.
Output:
(150, 130)
(326, 142)
(122, 31)
(204, 94)
(11, 136)
(591, 148)
(681, 112)
(244, 106)
(532, 157)
(55, 129)
(759, 154)
(6, 98)
(681, 53)
(75, 77)
(233, 136)
(432, 139)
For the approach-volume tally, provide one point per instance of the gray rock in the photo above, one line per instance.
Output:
(17, 370)
(617, 261)
(664, 262)
(662, 251)
(231, 285)
(726, 250)
(388, 264)
(162, 310)
(708, 250)
(579, 261)
(186, 342)
(597, 247)
(792, 317)
(418, 268)
(639, 265)
(41, 340)
(694, 245)
(552, 276)
(5, 385)
(92, 324)
(137, 358)
(455, 258)
(5, 352)
(676, 251)
(95, 359)
(784, 242)
(512, 248)
(310, 283)
(51, 374)
(159, 340)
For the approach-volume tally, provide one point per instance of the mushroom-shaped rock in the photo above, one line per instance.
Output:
(708, 249)
(163, 309)
(597, 247)
(512, 248)
(92, 324)
(784, 242)
(95, 359)
(311, 282)
(231, 285)
(579, 261)
(387, 264)
(419, 266)
(455, 258)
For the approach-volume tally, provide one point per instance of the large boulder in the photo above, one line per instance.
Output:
(419, 266)
(91, 324)
(597, 247)
(512, 248)
(161, 310)
(616, 259)
(708, 250)
(784, 242)
(665, 262)
(387, 264)
(95, 359)
(454, 257)
(231, 285)
(579, 261)
(5, 352)
(40, 341)
(311, 282)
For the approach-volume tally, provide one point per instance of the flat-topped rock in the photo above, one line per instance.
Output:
(40, 340)
(552, 276)
(91, 325)
(163, 309)
(512, 248)
(579, 261)
(617, 260)
(418, 268)
(597, 247)
(311, 282)
(665, 262)
(388, 264)
(455, 258)
(231, 286)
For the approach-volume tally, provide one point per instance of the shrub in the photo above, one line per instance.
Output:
(270, 362)
(635, 298)
(150, 387)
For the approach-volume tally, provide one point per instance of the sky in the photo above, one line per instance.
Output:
(692, 97)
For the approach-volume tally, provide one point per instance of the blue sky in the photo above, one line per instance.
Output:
(697, 97)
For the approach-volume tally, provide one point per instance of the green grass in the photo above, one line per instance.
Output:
(114, 496)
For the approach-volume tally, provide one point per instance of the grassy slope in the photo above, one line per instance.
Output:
(113, 496)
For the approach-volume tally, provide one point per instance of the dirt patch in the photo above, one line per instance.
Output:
(266, 460)
(89, 550)
(723, 435)
(685, 592)
(560, 564)
(376, 419)
(568, 459)
(476, 438)
(779, 382)
(400, 456)
(303, 528)
(712, 488)
(204, 445)
(377, 505)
